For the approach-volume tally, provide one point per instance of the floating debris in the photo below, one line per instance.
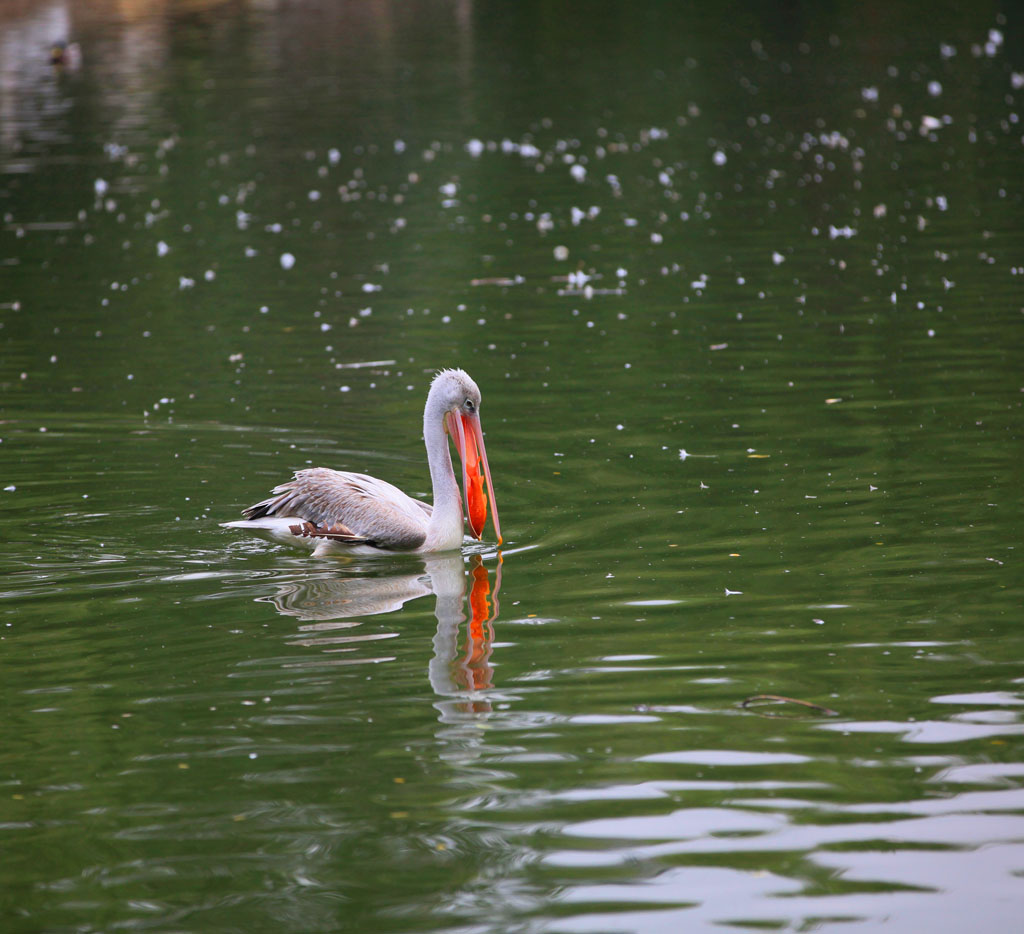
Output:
(363, 364)
(498, 280)
(756, 700)
(684, 454)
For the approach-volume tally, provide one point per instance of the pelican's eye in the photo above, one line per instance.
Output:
(469, 406)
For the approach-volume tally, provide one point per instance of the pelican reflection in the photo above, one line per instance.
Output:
(328, 609)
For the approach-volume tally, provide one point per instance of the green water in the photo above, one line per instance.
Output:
(742, 289)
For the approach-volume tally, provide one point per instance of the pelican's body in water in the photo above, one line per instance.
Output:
(355, 513)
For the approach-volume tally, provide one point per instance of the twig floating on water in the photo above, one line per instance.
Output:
(780, 699)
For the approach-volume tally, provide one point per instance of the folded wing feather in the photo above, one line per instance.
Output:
(350, 507)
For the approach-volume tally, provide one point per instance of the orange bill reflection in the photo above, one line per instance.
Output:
(475, 671)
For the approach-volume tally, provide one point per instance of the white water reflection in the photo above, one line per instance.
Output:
(707, 898)
(956, 846)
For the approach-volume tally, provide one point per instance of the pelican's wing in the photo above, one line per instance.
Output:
(347, 507)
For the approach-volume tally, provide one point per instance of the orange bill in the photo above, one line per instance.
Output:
(469, 441)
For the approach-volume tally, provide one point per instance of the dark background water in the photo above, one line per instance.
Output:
(742, 289)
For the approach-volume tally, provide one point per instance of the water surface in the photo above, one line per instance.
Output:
(742, 291)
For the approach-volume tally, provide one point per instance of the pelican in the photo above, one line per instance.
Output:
(354, 513)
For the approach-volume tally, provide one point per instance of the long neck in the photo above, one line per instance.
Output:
(445, 527)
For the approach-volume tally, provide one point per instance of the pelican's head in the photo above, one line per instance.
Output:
(454, 393)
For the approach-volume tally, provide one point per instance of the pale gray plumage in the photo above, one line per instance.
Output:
(370, 511)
